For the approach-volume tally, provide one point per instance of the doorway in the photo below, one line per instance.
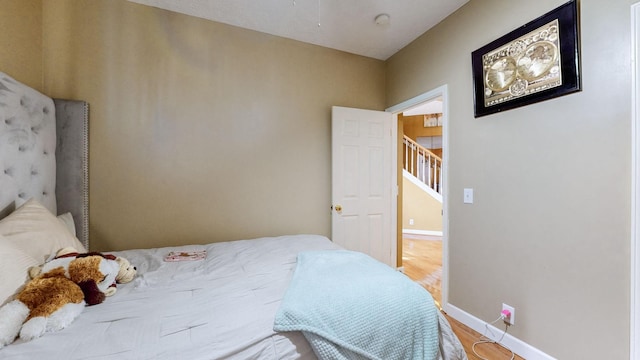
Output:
(421, 127)
(422, 223)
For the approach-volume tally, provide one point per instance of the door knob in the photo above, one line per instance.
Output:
(338, 208)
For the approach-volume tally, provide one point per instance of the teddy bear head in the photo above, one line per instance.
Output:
(127, 271)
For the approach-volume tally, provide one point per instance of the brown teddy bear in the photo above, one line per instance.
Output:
(65, 255)
(52, 300)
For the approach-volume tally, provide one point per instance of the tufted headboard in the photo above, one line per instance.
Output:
(44, 153)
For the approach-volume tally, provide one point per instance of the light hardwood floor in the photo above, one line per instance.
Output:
(422, 262)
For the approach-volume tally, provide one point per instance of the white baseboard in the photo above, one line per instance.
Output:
(422, 232)
(518, 346)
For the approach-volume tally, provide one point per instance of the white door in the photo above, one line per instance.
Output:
(362, 177)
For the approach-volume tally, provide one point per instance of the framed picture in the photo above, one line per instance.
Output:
(537, 61)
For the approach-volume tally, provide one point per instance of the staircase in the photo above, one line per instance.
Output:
(424, 166)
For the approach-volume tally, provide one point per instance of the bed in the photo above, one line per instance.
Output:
(286, 297)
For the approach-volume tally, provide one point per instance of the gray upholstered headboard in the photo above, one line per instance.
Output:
(72, 163)
(44, 153)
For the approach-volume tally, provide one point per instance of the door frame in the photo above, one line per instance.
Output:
(634, 331)
(441, 91)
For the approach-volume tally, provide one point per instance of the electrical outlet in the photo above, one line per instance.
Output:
(508, 314)
(410, 221)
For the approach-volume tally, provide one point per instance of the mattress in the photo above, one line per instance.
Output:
(222, 307)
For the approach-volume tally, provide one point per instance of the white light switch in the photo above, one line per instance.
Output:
(468, 196)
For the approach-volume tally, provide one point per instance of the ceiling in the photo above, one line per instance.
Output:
(426, 108)
(347, 25)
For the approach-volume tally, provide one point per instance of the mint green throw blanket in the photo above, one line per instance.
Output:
(350, 306)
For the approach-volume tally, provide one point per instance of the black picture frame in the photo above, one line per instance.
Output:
(537, 61)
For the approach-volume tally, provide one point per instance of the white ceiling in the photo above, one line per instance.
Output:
(430, 107)
(346, 25)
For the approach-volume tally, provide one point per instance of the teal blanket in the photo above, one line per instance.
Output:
(350, 306)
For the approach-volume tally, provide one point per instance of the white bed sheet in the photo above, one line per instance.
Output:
(219, 308)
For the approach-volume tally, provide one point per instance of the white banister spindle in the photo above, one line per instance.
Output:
(435, 173)
(414, 161)
(424, 160)
(424, 167)
(427, 169)
(440, 179)
(406, 153)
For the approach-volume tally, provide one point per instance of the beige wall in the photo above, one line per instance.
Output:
(549, 230)
(200, 131)
(425, 211)
(21, 41)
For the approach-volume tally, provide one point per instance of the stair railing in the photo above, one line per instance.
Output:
(423, 164)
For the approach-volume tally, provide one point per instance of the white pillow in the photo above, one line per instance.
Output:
(67, 220)
(14, 269)
(36, 231)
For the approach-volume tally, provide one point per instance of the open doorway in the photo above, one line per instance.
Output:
(422, 194)
(422, 217)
